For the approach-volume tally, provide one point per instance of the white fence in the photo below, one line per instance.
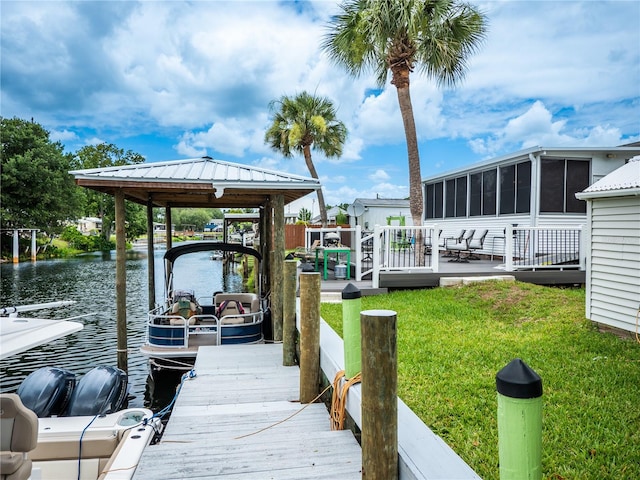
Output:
(410, 248)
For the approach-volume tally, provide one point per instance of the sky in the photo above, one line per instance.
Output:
(182, 79)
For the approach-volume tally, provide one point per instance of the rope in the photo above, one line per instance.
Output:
(288, 418)
(339, 399)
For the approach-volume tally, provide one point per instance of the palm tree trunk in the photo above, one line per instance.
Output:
(314, 174)
(415, 177)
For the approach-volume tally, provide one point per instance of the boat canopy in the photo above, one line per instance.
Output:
(173, 253)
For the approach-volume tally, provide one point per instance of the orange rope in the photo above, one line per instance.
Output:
(339, 399)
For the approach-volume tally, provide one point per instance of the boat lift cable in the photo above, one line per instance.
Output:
(161, 413)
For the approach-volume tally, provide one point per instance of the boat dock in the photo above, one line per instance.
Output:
(240, 418)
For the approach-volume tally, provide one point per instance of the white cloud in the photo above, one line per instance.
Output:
(379, 176)
(62, 136)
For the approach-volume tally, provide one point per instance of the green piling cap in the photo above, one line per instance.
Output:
(518, 380)
(351, 292)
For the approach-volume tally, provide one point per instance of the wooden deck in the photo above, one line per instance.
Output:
(400, 279)
(214, 429)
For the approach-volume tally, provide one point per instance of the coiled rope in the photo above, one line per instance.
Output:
(339, 399)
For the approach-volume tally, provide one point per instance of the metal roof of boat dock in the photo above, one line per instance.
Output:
(196, 182)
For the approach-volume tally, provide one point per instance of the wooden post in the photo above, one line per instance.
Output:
(151, 264)
(309, 336)
(121, 282)
(289, 314)
(379, 395)
(277, 267)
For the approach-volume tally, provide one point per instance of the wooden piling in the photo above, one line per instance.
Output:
(379, 395)
(277, 266)
(121, 281)
(151, 269)
(289, 313)
(309, 336)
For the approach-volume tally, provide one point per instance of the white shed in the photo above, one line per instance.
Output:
(368, 212)
(613, 248)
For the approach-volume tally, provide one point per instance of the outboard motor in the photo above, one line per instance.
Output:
(102, 390)
(47, 391)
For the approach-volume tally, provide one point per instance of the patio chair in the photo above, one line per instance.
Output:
(455, 239)
(461, 246)
(476, 243)
(429, 244)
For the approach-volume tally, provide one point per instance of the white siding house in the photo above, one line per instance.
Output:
(613, 248)
(535, 187)
(368, 212)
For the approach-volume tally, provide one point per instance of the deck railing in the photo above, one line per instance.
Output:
(409, 248)
(533, 248)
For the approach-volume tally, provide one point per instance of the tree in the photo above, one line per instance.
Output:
(37, 190)
(437, 36)
(302, 122)
(304, 215)
(102, 205)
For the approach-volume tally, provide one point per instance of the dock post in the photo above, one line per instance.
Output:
(289, 314)
(121, 282)
(519, 422)
(309, 336)
(351, 306)
(379, 395)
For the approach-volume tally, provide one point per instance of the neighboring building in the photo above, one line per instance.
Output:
(532, 187)
(332, 214)
(613, 248)
(87, 225)
(368, 212)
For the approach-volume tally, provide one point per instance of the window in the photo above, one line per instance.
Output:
(433, 200)
(515, 188)
(482, 196)
(456, 197)
(560, 180)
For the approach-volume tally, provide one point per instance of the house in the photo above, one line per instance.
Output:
(88, 225)
(332, 214)
(613, 248)
(368, 212)
(534, 187)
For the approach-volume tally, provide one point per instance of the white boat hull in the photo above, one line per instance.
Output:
(110, 447)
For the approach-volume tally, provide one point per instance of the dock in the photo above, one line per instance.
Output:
(234, 420)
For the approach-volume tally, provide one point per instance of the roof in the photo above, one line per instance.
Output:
(624, 181)
(196, 182)
(382, 202)
(623, 151)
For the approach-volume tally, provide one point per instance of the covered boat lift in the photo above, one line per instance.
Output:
(199, 183)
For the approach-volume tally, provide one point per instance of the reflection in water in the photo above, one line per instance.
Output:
(90, 281)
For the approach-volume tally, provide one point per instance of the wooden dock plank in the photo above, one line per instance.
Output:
(217, 428)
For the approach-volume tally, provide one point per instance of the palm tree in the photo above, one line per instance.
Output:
(302, 122)
(437, 36)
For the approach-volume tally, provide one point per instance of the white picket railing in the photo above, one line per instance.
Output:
(409, 248)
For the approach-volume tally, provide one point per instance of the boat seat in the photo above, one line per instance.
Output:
(186, 309)
(231, 315)
(18, 436)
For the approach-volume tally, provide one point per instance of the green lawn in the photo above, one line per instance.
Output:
(453, 341)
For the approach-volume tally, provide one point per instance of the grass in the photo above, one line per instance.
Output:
(453, 341)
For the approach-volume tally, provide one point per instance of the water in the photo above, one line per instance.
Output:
(90, 281)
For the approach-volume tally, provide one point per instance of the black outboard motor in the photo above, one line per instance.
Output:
(102, 390)
(47, 391)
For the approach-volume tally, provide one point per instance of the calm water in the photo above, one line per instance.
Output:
(90, 281)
